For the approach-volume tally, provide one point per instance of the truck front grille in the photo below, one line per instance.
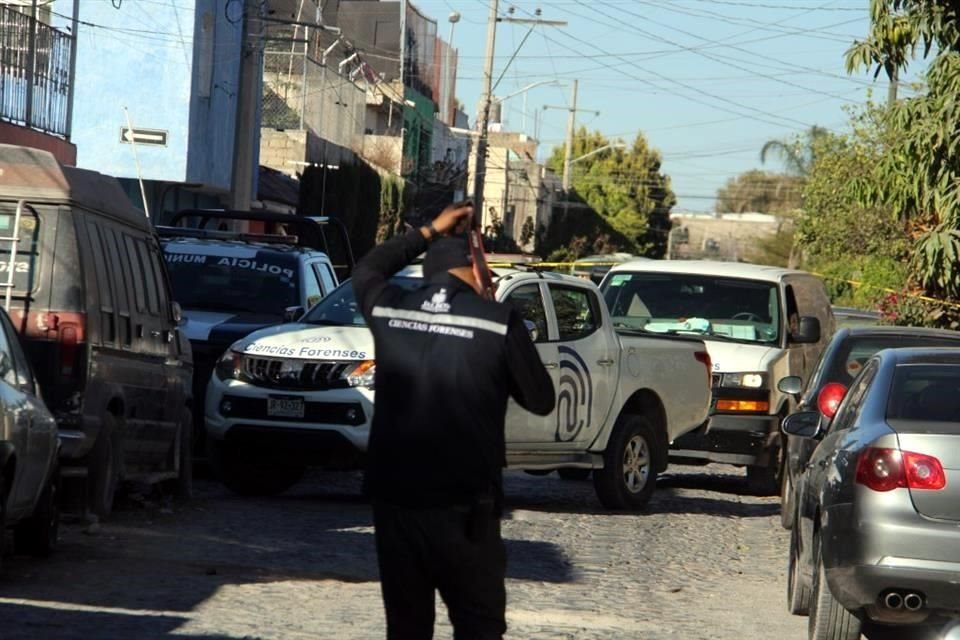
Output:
(293, 374)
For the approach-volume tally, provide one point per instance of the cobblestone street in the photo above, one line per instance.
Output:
(707, 561)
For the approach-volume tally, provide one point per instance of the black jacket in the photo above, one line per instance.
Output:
(447, 361)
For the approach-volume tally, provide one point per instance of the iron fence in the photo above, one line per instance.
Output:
(301, 94)
(35, 85)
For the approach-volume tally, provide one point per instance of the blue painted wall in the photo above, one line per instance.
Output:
(175, 66)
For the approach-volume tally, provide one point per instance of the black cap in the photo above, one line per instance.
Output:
(445, 253)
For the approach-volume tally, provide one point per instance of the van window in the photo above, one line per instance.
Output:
(162, 283)
(101, 250)
(150, 277)
(136, 272)
(26, 265)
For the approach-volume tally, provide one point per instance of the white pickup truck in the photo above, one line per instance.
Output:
(301, 393)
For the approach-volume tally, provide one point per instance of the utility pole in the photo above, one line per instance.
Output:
(248, 97)
(72, 77)
(480, 166)
(486, 97)
(571, 129)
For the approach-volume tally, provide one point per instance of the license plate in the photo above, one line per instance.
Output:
(285, 407)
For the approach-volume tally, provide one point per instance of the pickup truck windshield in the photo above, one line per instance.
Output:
(257, 283)
(728, 308)
(340, 308)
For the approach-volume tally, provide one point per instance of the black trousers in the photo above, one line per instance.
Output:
(456, 551)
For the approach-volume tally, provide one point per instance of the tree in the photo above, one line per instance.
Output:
(760, 192)
(918, 176)
(797, 155)
(625, 187)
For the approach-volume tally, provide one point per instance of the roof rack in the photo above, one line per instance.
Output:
(210, 234)
(311, 231)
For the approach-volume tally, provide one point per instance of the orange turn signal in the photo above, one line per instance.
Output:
(743, 406)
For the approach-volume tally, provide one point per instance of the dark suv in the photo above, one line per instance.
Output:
(91, 298)
(230, 284)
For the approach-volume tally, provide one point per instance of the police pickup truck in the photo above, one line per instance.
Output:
(301, 393)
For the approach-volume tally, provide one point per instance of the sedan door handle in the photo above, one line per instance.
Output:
(605, 363)
(550, 365)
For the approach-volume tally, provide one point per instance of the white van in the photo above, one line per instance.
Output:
(759, 324)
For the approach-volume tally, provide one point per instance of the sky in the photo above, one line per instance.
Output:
(707, 82)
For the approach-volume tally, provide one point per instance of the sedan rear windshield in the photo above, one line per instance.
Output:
(927, 392)
(851, 357)
(248, 282)
(340, 308)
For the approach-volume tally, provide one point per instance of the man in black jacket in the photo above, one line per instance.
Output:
(447, 361)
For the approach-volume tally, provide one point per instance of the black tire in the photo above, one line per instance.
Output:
(38, 535)
(573, 473)
(103, 468)
(765, 480)
(184, 486)
(788, 499)
(538, 472)
(828, 619)
(798, 591)
(244, 472)
(630, 461)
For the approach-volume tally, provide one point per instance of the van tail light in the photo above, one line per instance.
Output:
(68, 329)
(704, 357)
(830, 397)
(882, 469)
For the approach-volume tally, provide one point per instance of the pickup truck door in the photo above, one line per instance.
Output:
(588, 351)
(522, 427)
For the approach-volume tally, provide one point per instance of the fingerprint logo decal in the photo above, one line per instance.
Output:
(574, 396)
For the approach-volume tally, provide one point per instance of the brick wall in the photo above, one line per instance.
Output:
(63, 151)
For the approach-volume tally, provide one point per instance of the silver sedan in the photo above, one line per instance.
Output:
(876, 538)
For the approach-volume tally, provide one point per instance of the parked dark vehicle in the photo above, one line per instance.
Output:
(876, 538)
(231, 284)
(850, 317)
(91, 299)
(841, 361)
(29, 466)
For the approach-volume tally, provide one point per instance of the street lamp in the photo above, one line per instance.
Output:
(454, 18)
(539, 83)
(612, 145)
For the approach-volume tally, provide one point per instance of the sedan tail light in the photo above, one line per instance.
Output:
(888, 469)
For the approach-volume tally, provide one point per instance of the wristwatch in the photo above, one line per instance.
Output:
(433, 232)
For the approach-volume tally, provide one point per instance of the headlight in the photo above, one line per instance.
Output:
(744, 380)
(362, 374)
(230, 366)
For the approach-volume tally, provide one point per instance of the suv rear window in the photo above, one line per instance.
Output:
(234, 280)
(27, 263)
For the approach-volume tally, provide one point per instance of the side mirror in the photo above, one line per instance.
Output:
(177, 312)
(791, 384)
(292, 314)
(808, 332)
(805, 424)
(531, 329)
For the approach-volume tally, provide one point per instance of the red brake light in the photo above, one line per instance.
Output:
(888, 469)
(704, 357)
(830, 397)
